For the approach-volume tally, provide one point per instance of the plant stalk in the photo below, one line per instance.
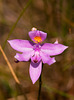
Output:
(40, 84)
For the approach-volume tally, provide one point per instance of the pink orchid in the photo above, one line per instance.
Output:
(36, 51)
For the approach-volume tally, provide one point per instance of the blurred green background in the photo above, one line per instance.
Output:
(56, 18)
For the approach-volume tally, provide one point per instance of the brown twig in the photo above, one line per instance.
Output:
(9, 65)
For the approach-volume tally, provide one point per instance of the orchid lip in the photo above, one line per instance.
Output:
(38, 39)
(37, 36)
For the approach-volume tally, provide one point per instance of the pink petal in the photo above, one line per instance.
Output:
(53, 49)
(35, 71)
(21, 45)
(47, 59)
(24, 56)
(56, 42)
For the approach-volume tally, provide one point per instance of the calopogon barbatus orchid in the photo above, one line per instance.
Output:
(36, 51)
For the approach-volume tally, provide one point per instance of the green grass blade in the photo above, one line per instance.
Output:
(13, 27)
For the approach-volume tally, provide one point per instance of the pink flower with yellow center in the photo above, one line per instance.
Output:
(36, 51)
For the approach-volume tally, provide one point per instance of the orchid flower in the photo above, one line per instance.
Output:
(36, 51)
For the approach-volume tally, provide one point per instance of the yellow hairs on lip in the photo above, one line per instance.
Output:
(37, 39)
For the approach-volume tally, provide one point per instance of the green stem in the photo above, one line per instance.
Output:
(13, 27)
(40, 84)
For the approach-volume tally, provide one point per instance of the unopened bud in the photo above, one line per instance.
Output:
(34, 29)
